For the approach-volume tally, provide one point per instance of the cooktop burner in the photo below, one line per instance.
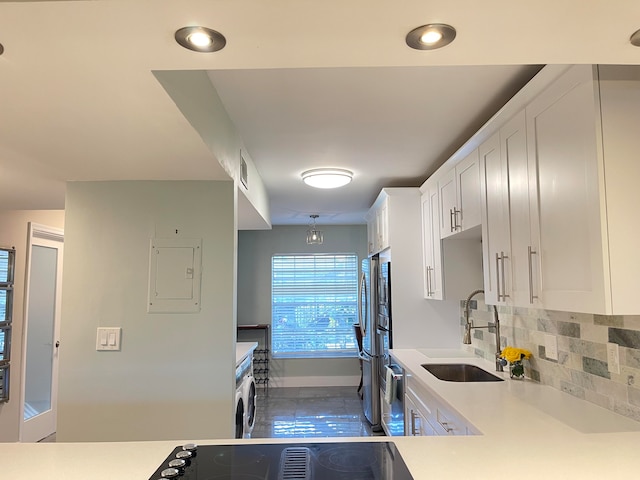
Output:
(286, 461)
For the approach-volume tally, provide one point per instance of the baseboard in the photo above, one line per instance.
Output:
(328, 381)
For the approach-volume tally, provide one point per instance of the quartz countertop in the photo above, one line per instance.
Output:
(529, 431)
(495, 408)
(243, 349)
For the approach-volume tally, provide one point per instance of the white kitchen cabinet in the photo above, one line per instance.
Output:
(582, 143)
(567, 221)
(416, 423)
(452, 267)
(506, 238)
(427, 414)
(559, 221)
(431, 244)
(413, 317)
(377, 225)
(459, 191)
(371, 234)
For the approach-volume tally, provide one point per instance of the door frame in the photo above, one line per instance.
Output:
(41, 235)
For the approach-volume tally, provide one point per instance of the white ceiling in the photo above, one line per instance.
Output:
(307, 83)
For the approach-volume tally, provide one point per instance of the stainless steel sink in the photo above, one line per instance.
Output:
(460, 372)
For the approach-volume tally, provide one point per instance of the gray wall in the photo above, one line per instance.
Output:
(255, 249)
(174, 376)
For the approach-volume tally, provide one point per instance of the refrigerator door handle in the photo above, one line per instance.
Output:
(364, 358)
(364, 306)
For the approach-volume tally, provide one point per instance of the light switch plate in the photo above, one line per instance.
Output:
(108, 338)
(551, 346)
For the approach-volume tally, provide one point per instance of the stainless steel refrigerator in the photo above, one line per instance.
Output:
(370, 355)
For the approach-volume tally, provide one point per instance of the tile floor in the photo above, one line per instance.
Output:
(310, 412)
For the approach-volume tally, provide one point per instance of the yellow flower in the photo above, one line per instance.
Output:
(513, 354)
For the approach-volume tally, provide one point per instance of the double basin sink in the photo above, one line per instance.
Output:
(460, 372)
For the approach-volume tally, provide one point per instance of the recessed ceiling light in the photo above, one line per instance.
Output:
(200, 39)
(327, 177)
(431, 36)
(635, 39)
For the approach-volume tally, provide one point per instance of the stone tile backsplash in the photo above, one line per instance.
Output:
(581, 368)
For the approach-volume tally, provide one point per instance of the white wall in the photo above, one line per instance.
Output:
(13, 233)
(198, 100)
(173, 378)
(255, 249)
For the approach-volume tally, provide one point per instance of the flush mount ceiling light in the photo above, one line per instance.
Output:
(314, 236)
(431, 36)
(327, 177)
(200, 39)
(635, 39)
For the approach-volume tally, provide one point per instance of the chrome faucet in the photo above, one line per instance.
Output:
(469, 325)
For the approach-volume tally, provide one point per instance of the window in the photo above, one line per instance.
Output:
(314, 305)
(7, 261)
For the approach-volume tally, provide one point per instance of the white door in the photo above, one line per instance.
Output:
(41, 344)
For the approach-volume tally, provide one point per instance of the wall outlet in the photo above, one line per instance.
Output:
(551, 346)
(613, 357)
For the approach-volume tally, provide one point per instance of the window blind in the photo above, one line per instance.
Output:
(314, 305)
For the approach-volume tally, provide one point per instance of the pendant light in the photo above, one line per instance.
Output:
(314, 236)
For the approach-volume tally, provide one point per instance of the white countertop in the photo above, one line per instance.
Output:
(521, 437)
(517, 406)
(243, 349)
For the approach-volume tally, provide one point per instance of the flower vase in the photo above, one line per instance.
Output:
(516, 370)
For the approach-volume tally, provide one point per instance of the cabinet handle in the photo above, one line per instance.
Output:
(531, 252)
(451, 219)
(498, 276)
(414, 417)
(427, 280)
(500, 273)
(446, 426)
(504, 289)
(430, 291)
(456, 226)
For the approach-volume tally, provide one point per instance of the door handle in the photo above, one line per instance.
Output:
(57, 343)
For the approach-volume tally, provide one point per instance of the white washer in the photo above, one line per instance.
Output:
(249, 400)
(243, 372)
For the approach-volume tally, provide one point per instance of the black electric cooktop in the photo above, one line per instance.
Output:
(285, 461)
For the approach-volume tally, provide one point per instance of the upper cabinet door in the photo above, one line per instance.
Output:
(448, 203)
(513, 151)
(378, 225)
(565, 155)
(468, 180)
(495, 219)
(460, 197)
(431, 247)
